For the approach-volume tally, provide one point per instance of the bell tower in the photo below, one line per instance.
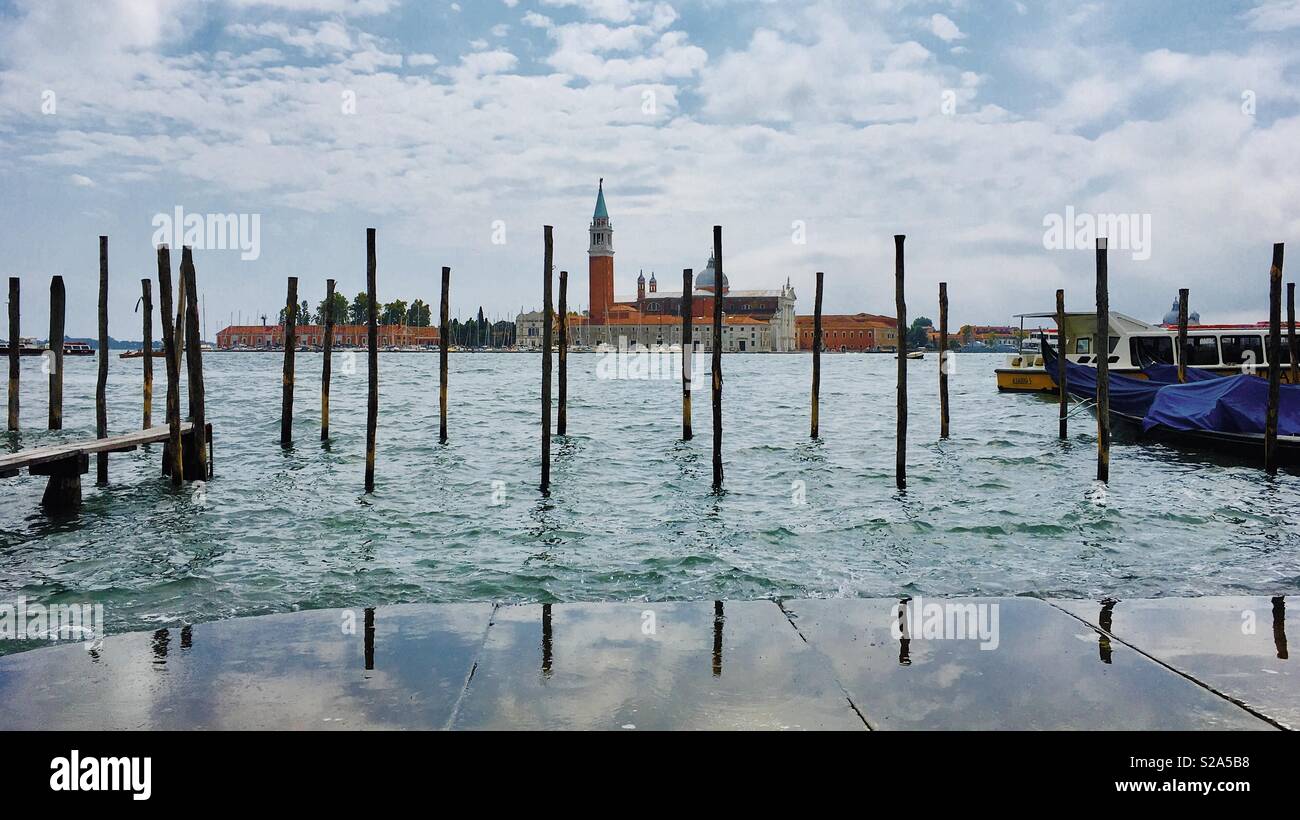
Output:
(600, 260)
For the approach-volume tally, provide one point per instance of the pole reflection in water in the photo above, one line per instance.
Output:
(1279, 626)
(718, 619)
(187, 636)
(905, 639)
(161, 639)
(370, 638)
(1104, 621)
(546, 640)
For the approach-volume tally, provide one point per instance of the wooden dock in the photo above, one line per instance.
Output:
(64, 464)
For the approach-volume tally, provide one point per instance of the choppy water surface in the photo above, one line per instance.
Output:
(1001, 508)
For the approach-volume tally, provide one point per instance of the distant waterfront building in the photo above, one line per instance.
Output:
(859, 332)
(272, 336)
(753, 320)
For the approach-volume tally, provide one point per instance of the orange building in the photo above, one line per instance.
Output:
(272, 336)
(856, 332)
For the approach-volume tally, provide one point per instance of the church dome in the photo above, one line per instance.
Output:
(707, 279)
(1171, 318)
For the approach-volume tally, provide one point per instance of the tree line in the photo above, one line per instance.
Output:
(475, 332)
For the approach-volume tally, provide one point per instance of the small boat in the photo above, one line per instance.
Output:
(139, 354)
(26, 347)
(916, 354)
(77, 349)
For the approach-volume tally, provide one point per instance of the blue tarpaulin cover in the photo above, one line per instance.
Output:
(1168, 373)
(1232, 404)
(1128, 395)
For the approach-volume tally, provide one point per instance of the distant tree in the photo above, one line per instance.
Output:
(419, 314)
(917, 336)
(358, 311)
(393, 313)
(301, 315)
(966, 334)
(340, 310)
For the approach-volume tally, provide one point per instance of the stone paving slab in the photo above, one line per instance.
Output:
(738, 665)
(1048, 671)
(303, 670)
(1234, 645)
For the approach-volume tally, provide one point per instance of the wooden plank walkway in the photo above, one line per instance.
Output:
(12, 463)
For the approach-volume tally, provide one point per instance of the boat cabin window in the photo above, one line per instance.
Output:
(1202, 350)
(1083, 344)
(1239, 349)
(1145, 350)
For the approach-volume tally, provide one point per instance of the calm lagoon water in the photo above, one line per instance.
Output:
(1001, 508)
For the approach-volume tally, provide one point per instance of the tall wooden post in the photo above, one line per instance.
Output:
(562, 411)
(1063, 396)
(174, 459)
(15, 341)
(58, 310)
(194, 368)
(290, 341)
(900, 443)
(548, 319)
(944, 353)
(444, 345)
(1183, 349)
(372, 360)
(1101, 354)
(1290, 333)
(327, 364)
(146, 308)
(717, 357)
(101, 382)
(817, 352)
(1274, 358)
(688, 349)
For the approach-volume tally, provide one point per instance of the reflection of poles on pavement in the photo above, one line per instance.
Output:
(546, 640)
(718, 619)
(1104, 620)
(905, 641)
(1279, 626)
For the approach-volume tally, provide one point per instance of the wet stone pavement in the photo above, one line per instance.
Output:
(844, 664)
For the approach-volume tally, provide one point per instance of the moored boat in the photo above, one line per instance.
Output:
(1135, 345)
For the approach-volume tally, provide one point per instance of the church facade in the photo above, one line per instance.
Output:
(754, 321)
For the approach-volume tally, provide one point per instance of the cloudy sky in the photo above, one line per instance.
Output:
(811, 130)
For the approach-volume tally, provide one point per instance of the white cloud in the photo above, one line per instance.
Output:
(81, 181)
(1275, 15)
(944, 28)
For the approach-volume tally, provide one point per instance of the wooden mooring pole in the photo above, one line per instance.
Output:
(1183, 349)
(372, 360)
(444, 342)
(15, 334)
(286, 381)
(101, 382)
(688, 350)
(1274, 359)
(944, 353)
(146, 308)
(174, 462)
(548, 319)
(900, 303)
(1063, 397)
(562, 411)
(1101, 354)
(327, 363)
(817, 354)
(717, 357)
(1290, 333)
(58, 312)
(196, 459)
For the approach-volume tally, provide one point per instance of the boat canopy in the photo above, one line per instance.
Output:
(1129, 396)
